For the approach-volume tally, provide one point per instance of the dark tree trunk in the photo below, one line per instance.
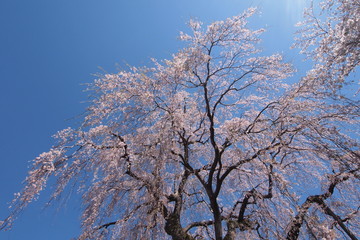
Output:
(174, 229)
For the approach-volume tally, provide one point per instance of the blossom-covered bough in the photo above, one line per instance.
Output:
(331, 38)
(212, 144)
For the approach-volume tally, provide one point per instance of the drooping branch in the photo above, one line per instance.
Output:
(298, 220)
(327, 210)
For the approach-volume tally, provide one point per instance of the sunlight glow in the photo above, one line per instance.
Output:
(295, 8)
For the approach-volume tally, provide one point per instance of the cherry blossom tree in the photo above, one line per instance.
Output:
(211, 144)
(331, 38)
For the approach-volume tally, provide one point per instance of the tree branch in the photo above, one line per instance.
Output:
(198, 224)
(298, 220)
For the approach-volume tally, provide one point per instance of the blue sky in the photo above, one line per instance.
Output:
(49, 49)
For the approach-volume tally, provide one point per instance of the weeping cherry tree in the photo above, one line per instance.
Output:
(215, 143)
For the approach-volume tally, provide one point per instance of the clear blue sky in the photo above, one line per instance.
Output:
(49, 48)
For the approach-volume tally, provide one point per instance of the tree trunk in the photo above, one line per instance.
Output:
(174, 229)
(217, 218)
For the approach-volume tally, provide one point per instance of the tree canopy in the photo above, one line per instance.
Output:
(217, 142)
